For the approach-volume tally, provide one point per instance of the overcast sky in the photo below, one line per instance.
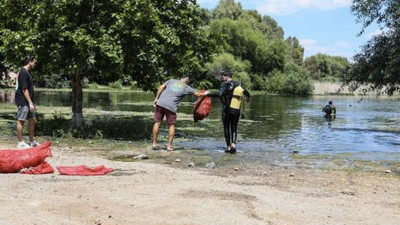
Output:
(322, 26)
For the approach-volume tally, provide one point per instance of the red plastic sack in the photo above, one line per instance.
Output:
(12, 161)
(43, 168)
(202, 108)
(83, 170)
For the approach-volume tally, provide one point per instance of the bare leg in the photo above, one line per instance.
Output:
(171, 134)
(155, 133)
(20, 128)
(31, 129)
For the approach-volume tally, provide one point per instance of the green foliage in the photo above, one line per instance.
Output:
(162, 38)
(379, 61)
(240, 39)
(89, 85)
(228, 9)
(296, 51)
(56, 126)
(53, 81)
(258, 82)
(294, 80)
(273, 30)
(324, 67)
(106, 40)
(226, 61)
(116, 85)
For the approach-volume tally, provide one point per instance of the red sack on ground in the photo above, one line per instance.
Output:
(43, 168)
(12, 160)
(83, 170)
(202, 108)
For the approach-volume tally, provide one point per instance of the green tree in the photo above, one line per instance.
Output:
(296, 50)
(147, 40)
(379, 60)
(240, 39)
(293, 80)
(228, 9)
(325, 67)
(273, 29)
(225, 61)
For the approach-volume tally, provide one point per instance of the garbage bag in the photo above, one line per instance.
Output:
(43, 168)
(83, 170)
(13, 160)
(202, 108)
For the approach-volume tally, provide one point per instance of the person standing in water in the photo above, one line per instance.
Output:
(329, 109)
(231, 94)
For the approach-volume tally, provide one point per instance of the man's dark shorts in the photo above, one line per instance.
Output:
(24, 113)
(161, 112)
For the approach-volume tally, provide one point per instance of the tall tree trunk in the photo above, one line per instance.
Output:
(77, 97)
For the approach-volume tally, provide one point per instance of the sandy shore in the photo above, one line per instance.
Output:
(150, 193)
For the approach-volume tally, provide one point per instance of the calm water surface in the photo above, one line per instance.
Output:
(366, 128)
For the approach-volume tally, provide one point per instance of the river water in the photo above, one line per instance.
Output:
(366, 128)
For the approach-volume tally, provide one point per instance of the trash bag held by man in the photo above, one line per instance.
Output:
(202, 108)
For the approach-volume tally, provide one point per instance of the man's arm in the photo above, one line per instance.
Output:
(28, 98)
(159, 91)
(201, 94)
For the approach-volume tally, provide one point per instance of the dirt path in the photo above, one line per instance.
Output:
(149, 193)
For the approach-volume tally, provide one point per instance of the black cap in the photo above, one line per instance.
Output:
(185, 76)
(226, 73)
(330, 102)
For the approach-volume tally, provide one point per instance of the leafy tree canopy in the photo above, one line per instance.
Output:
(101, 40)
(379, 60)
(325, 67)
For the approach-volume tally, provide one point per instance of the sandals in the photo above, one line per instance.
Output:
(169, 149)
(159, 148)
(156, 147)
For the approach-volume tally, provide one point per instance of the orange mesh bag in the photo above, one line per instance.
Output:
(83, 170)
(12, 160)
(43, 168)
(202, 108)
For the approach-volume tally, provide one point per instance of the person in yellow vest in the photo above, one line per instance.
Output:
(231, 95)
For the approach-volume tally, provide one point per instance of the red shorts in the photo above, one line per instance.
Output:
(161, 112)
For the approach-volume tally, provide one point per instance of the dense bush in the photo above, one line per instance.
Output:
(327, 68)
(294, 80)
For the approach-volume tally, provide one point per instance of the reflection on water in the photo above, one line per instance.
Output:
(368, 128)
